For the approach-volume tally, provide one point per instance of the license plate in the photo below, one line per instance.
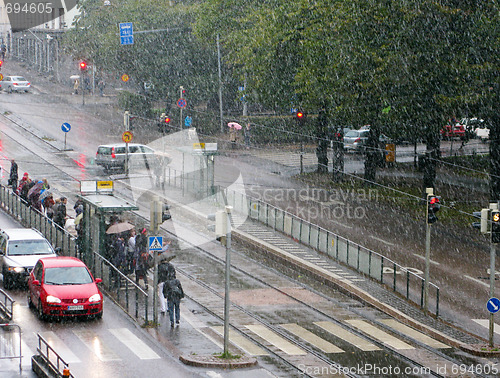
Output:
(75, 308)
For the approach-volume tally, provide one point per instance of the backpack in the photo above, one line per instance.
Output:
(173, 287)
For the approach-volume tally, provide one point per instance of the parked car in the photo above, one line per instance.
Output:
(355, 140)
(20, 249)
(63, 286)
(15, 84)
(112, 156)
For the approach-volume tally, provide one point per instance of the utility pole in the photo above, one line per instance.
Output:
(493, 244)
(220, 86)
(155, 221)
(126, 122)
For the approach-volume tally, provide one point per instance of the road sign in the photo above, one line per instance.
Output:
(155, 243)
(1, 77)
(187, 121)
(125, 78)
(493, 305)
(65, 127)
(126, 33)
(127, 136)
(181, 103)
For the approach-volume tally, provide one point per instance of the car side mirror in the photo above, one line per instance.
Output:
(58, 250)
(98, 280)
(36, 282)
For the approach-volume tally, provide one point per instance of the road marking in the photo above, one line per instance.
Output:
(423, 258)
(381, 240)
(486, 323)
(276, 340)
(347, 336)
(241, 342)
(58, 345)
(394, 324)
(379, 334)
(94, 343)
(477, 281)
(136, 345)
(311, 338)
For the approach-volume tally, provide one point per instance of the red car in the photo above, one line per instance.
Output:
(456, 131)
(63, 286)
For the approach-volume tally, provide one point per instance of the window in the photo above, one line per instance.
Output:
(73, 275)
(29, 247)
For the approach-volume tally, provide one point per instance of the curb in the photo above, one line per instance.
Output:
(213, 361)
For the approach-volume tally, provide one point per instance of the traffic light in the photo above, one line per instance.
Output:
(495, 226)
(1, 62)
(167, 120)
(83, 65)
(433, 206)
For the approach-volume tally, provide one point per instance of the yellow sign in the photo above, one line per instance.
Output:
(127, 136)
(1, 77)
(104, 186)
(390, 152)
(199, 146)
(125, 77)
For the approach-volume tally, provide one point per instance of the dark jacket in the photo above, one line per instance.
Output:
(172, 290)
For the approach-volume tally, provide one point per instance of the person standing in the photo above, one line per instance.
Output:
(13, 177)
(60, 212)
(131, 251)
(172, 290)
(166, 271)
(75, 86)
(141, 258)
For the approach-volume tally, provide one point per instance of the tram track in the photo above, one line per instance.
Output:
(293, 364)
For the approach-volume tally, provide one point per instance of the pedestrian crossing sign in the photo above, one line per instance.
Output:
(155, 243)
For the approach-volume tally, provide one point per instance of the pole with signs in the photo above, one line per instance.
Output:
(495, 218)
(155, 245)
(65, 127)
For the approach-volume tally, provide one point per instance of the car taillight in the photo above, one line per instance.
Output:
(357, 140)
(28, 84)
(113, 152)
(14, 83)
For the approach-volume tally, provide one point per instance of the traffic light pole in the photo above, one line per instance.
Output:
(493, 247)
(227, 302)
(429, 192)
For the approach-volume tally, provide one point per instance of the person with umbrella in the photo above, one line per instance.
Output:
(34, 196)
(60, 215)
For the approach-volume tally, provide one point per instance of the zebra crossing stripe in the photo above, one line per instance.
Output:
(379, 334)
(311, 338)
(136, 345)
(486, 323)
(58, 345)
(347, 336)
(241, 342)
(276, 340)
(93, 342)
(414, 334)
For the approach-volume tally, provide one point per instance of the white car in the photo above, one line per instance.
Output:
(477, 126)
(112, 156)
(15, 84)
(20, 249)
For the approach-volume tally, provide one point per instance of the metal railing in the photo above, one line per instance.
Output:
(6, 305)
(52, 359)
(353, 255)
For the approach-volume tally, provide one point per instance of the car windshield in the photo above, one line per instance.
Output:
(352, 134)
(29, 247)
(18, 78)
(73, 275)
(104, 150)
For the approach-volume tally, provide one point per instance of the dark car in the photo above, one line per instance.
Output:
(63, 286)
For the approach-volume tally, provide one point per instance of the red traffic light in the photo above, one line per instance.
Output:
(434, 200)
(83, 65)
(300, 115)
(1, 62)
(167, 119)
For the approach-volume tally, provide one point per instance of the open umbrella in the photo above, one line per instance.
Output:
(235, 125)
(118, 228)
(74, 77)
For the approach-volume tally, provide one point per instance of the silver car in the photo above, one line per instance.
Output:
(20, 249)
(112, 156)
(15, 84)
(355, 140)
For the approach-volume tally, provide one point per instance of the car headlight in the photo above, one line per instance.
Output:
(95, 298)
(17, 269)
(52, 299)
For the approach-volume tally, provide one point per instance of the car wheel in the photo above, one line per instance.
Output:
(30, 302)
(7, 281)
(41, 315)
